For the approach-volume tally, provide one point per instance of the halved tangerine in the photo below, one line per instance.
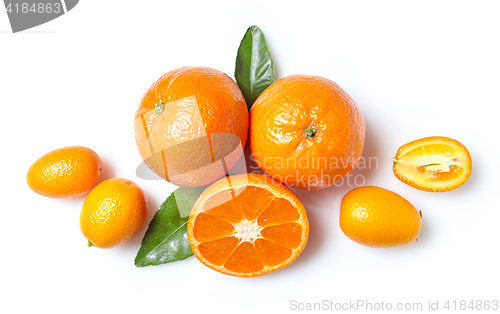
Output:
(433, 164)
(247, 225)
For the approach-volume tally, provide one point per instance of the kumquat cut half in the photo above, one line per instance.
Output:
(247, 225)
(433, 164)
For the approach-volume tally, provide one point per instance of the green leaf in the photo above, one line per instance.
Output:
(166, 239)
(254, 65)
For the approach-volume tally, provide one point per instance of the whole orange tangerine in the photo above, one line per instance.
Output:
(306, 132)
(191, 126)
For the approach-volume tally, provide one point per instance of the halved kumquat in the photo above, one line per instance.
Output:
(433, 164)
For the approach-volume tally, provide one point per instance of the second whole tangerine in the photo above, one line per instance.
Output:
(306, 132)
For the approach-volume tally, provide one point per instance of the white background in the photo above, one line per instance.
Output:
(415, 68)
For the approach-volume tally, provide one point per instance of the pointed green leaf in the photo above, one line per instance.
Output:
(254, 65)
(166, 239)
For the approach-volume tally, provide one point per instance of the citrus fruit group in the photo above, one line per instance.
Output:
(306, 132)
(191, 126)
(113, 212)
(65, 173)
(247, 225)
(433, 164)
(376, 217)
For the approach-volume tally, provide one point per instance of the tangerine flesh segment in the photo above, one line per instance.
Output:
(288, 235)
(217, 251)
(244, 259)
(435, 164)
(208, 227)
(254, 201)
(270, 253)
(224, 206)
(279, 211)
